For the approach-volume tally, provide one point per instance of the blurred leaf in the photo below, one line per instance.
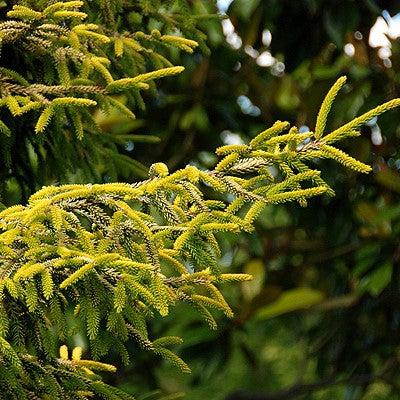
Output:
(291, 300)
(373, 216)
(377, 391)
(377, 280)
(287, 97)
(195, 118)
(158, 395)
(252, 288)
(337, 302)
(389, 178)
(123, 139)
(366, 212)
(365, 258)
(244, 8)
(127, 166)
(340, 20)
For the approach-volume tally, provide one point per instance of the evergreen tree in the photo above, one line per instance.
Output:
(103, 259)
(64, 64)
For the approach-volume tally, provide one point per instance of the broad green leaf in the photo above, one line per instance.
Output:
(291, 300)
(377, 280)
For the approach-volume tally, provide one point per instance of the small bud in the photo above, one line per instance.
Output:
(192, 173)
(140, 34)
(158, 170)
(156, 34)
(64, 352)
(77, 353)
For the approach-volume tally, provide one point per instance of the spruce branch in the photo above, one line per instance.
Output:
(139, 261)
(77, 58)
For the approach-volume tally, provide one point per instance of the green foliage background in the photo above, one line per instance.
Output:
(321, 318)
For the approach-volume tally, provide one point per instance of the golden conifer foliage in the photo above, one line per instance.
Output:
(116, 255)
(65, 63)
